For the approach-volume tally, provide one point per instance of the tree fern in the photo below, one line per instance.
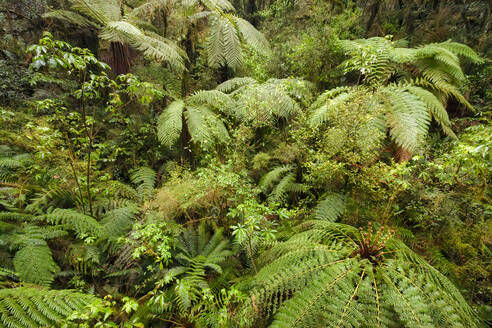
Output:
(106, 18)
(405, 108)
(262, 104)
(32, 307)
(204, 126)
(436, 63)
(224, 42)
(333, 275)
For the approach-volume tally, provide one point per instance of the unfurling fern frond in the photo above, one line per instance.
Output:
(333, 275)
(30, 307)
(330, 208)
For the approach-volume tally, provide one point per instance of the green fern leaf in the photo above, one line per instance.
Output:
(170, 123)
(330, 208)
(30, 307)
(34, 263)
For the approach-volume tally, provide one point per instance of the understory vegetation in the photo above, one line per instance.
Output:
(216, 163)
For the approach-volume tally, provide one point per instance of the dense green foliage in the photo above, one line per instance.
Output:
(208, 163)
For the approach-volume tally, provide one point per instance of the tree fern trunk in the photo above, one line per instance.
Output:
(402, 155)
(374, 10)
(120, 58)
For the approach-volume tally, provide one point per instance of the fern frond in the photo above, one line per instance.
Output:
(222, 5)
(269, 179)
(102, 11)
(30, 307)
(215, 126)
(435, 108)
(71, 17)
(319, 114)
(231, 52)
(82, 224)
(144, 177)
(215, 43)
(330, 208)
(34, 263)
(118, 221)
(284, 186)
(408, 118)
(235, 83)
(152, 47)
(195, 119)
(251, 35)
(323, 277)
(16, 216)
(170, 123)
(212, 99)
(260, 104)
(148, 9)
(223, 43)
(462, 50)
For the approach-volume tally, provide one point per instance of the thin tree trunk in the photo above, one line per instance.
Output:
(374, 10)
(120, 58)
